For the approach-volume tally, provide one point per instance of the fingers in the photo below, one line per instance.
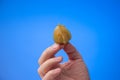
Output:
(72, 52)
(48, 65)
(52, 74)
(49, 52)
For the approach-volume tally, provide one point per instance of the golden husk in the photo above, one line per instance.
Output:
(61, 35)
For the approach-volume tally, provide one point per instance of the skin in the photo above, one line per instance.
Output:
(51, 68)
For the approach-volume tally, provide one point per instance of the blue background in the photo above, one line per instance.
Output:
(26, 29)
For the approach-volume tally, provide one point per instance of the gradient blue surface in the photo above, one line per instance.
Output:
(26, 29)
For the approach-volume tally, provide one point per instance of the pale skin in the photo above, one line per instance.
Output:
(51, 68)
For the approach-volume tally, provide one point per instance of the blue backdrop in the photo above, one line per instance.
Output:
(26, 29)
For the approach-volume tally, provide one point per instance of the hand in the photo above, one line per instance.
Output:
(51, 68)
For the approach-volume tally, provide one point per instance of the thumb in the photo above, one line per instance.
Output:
(71, 51)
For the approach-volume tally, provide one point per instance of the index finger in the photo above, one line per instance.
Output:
(72, 52)
(49, 53)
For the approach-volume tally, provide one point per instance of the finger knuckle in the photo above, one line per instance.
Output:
(39, 61)
(40, 72)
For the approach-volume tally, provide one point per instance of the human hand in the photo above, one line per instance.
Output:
(51, 68)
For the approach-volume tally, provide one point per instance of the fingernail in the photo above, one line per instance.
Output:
(55, 46)
(58, 58)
